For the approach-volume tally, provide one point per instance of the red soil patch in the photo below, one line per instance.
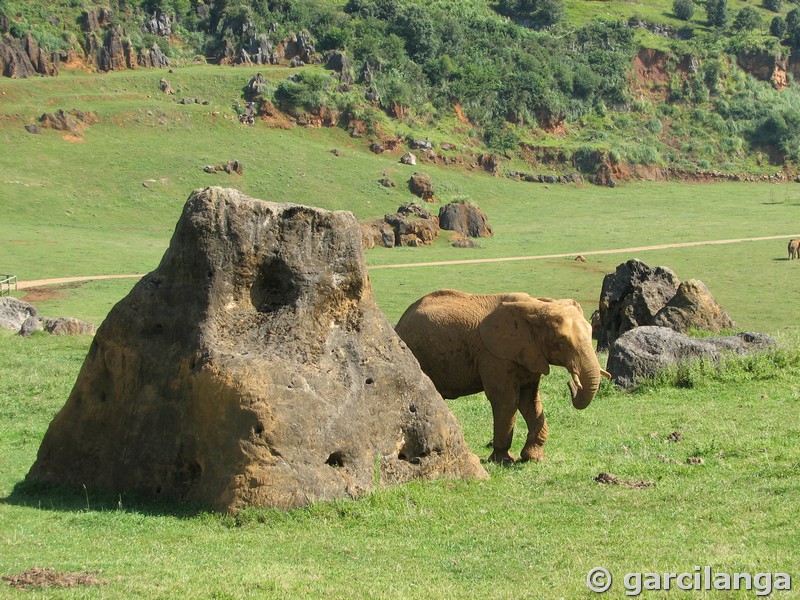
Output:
(47, 577)
(37, 294)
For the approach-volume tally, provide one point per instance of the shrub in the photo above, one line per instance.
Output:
(683, 9)
(747, 19)
(307, 90)
(654, 126)
(773, 5)
(717, 13)
(777, 27)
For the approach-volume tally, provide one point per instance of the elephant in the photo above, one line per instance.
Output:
(502, 344)
(794, 249)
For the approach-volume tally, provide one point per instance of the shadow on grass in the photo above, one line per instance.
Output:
(70, 498)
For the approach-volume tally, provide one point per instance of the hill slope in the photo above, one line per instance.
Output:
(611, 89)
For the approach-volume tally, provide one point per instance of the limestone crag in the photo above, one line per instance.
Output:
(252, 368)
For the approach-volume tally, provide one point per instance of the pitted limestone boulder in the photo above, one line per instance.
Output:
(252, 368)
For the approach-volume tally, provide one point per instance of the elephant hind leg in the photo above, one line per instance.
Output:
(530, 405)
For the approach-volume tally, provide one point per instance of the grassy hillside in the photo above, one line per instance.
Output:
(559, 79)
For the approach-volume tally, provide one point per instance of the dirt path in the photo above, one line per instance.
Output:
(22, 285)
(586, 252)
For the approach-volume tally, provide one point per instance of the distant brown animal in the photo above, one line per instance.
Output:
(794, 249)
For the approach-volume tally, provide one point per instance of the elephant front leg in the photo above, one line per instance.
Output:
(504, 415)
(502, 391)
(530, 405)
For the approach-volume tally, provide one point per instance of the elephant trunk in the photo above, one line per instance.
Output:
(585, 381)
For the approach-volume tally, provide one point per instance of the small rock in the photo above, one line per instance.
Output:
(68, 326)
(33, 128)
(695, 460)
(409, 159)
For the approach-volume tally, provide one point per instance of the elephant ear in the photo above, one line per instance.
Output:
(508, 334)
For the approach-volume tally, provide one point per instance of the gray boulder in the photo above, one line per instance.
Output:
(644, 351)
(253, 367)
(409, 158)
(14, 312)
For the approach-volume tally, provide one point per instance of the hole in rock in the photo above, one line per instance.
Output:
(369, 381)
(275, 286)
(335, 460)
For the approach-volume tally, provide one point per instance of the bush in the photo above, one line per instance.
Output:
(307, 90)
(654, 126)
(777, 27)
(747, 19)
(717, 13)
(773, 5)
(683, 9)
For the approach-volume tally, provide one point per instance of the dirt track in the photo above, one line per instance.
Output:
(40, 282)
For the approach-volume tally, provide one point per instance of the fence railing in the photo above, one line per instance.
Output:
(6, 281)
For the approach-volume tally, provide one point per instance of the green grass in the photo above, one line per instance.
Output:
(533, 530)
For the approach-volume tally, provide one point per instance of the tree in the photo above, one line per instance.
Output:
(683, 9)
(717, 13)
(777, 27)
(793, 28)
(747, 19)
(773, 5)
(538, 14)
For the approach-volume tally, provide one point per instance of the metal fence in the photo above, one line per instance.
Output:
(6, 281)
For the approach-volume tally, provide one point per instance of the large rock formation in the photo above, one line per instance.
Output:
(644, 351)
(466, 219)
(22, 58)
(637, 294)
(411, 225)
(252, 368)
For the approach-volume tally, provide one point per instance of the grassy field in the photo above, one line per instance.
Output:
(82, 208)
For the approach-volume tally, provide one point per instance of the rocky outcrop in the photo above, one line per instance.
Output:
(152, 58)
(636, 295)
(106, 46)
(21, 58)
(252, 368)
(231, 167)
(421, 185)
(411, 225)
(645, 351)
(73, 121)
(466, 219)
